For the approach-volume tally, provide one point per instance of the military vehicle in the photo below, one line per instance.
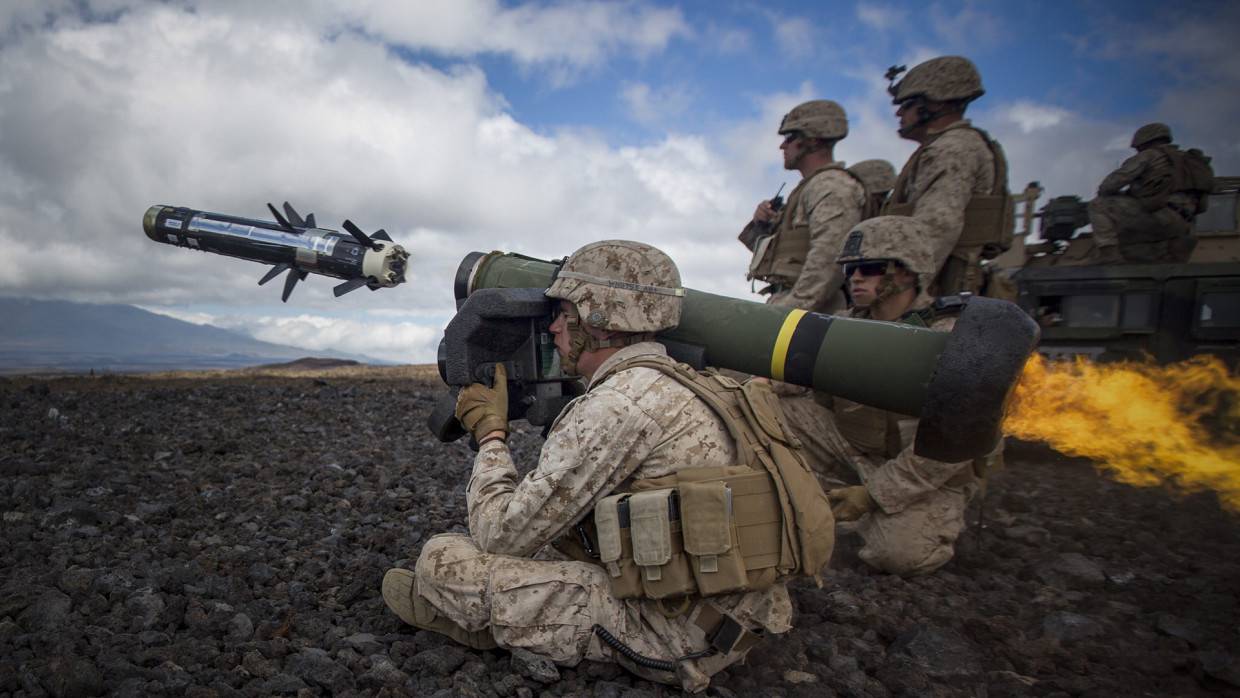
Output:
(1112, 312)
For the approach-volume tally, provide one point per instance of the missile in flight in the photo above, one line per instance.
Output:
(291, 244)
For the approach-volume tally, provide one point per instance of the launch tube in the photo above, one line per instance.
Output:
(957, 383)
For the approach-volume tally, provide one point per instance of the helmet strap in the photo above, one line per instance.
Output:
(581, 341)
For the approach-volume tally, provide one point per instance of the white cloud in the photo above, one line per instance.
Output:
(404, 342)
(655, 107)
(796, 37)
(564, 35)
(967, 28)
(879, 17)
(1032, 117)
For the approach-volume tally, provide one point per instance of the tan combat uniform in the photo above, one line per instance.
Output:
(1135, 211)
(635, 424)
(921, 502)
(798, 259)
(954, 168)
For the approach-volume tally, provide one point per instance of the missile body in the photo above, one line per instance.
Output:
(291, 244)
(958, 383)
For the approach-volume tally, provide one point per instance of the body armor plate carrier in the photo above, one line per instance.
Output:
(718, 530)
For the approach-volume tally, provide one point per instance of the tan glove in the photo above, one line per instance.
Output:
(483, 410)
(850, 503)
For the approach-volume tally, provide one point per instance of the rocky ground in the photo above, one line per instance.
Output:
(227, 537)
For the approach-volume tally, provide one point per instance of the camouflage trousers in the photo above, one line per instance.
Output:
(550, 607)
(917, 540)
(1141, 236)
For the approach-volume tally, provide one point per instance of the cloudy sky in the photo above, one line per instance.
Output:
(533, 128)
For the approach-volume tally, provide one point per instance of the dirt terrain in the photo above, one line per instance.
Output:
(222, 536)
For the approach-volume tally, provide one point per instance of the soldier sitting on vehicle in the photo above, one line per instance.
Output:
(909, 509)
(643, 483)
(1144, 210)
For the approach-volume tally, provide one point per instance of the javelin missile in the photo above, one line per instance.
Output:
(958, 383)
(291, 244)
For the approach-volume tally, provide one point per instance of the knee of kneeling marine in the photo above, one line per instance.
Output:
(907, 560)
(443, 553)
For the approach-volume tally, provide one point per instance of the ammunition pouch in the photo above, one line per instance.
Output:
(718, 530)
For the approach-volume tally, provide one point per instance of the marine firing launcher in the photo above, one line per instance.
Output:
(957, 383)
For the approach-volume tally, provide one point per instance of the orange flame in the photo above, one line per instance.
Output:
(1146, 424)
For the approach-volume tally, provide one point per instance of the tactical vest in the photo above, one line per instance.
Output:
(779, 257)
(876, 432)
(717, 530)
(988, 222)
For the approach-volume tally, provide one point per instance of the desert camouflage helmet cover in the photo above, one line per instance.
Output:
(818, 118)
(942, 79)
(1150, 132)
(621, 285)
(879, 176)
(899, 238)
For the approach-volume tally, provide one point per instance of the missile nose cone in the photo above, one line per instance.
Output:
(148, 221)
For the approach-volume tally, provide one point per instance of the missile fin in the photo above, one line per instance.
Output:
(292, 216)
(381, 234)
(294, 275)
(280, 219)
(273, 273)
(350, 285)
(358, 235)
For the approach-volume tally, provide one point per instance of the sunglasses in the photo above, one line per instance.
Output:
(870, 268)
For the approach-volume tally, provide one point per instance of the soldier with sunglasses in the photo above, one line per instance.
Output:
(908, 510)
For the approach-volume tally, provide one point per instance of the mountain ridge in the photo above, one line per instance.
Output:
(64, 336)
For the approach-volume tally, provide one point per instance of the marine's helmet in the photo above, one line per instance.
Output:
(1150, 132)
(893, 238)
(618, 286)
(942, 79)
(818, 118)
(622, 286)
(879, 176)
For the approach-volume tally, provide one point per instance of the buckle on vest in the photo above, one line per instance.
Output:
(724, 633)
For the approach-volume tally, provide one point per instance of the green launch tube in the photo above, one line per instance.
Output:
(828, 353)
(957, 383)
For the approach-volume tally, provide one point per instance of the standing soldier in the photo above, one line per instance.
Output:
(909, 509)
(636, 484)
(1144, 210)
(879, 178)
(955, 183)
(794, 247)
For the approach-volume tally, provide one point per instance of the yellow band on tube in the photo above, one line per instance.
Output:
(780, 354)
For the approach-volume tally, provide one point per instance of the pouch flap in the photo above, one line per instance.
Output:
(651, 529)
(607, 525)
(764, 406)
(706, 516)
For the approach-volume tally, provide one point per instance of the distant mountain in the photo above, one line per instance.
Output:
(54, 336)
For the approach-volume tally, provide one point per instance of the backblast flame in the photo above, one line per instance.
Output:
(1173, 425)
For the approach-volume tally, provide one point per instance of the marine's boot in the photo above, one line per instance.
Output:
(400, 593)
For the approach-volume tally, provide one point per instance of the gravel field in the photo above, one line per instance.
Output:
(226, 536)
